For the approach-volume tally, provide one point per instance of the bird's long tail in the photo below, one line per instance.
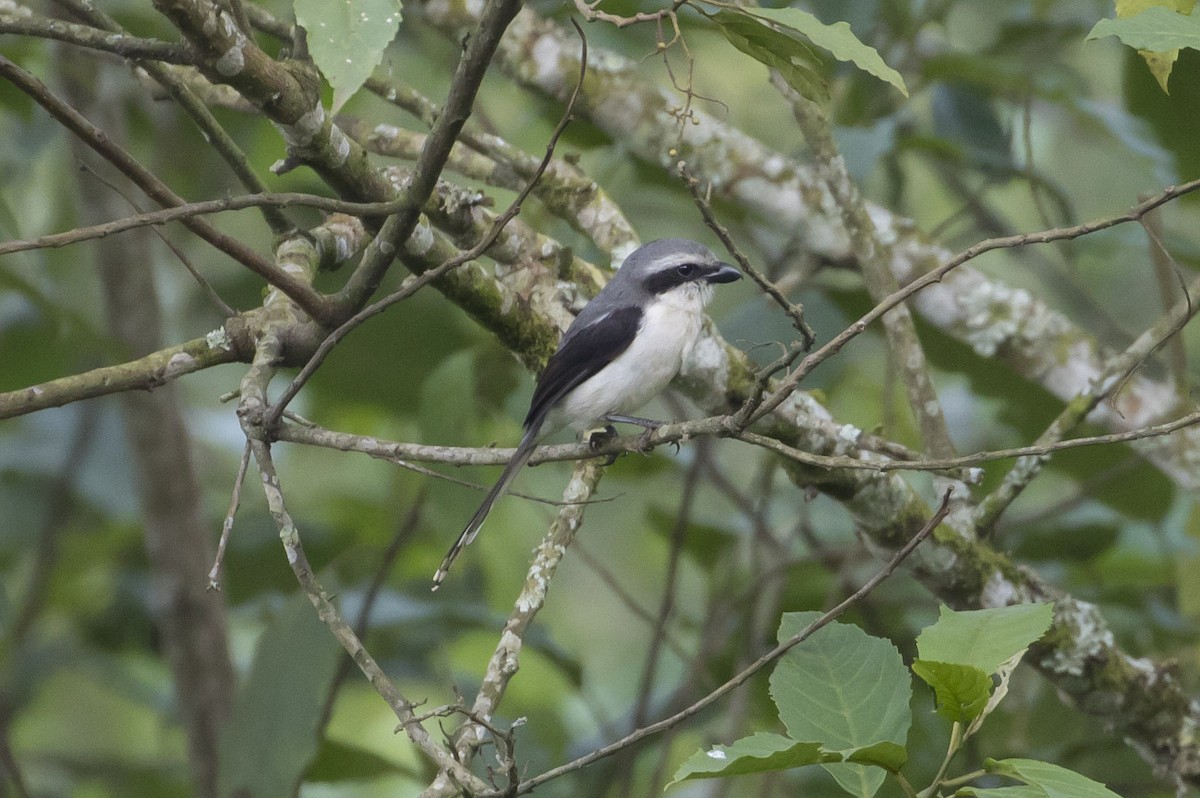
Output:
(519, 459)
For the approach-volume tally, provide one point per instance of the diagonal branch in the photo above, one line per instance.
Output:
(145, 374)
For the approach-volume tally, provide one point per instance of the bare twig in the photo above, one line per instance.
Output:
(682, 431)
(794, 310)
(84, 36)
(204, 284)
(505, 660)
(250, 412)
(235, 500)
(144, 373)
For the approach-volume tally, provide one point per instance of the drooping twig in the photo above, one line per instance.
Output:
(808, 363)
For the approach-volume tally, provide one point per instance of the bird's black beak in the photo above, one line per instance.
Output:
(724, 274)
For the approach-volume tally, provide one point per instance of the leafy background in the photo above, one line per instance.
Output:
(1014, 123)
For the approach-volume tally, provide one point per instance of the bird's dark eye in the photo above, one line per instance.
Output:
(686, 270)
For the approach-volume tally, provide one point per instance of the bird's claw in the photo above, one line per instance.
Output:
(597, 438)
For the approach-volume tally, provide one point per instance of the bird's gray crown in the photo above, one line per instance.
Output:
(667, 263)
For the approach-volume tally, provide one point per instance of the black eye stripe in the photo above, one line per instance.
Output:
(673, 277)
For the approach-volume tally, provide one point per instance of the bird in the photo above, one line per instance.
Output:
(621, 351)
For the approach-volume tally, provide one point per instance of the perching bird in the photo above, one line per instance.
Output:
(621, 351)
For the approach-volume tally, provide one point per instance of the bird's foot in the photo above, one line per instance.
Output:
(647, 424)
(597, 438)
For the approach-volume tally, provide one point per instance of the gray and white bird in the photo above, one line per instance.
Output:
(621, 351)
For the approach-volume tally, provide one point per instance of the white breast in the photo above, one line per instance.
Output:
(665, 339)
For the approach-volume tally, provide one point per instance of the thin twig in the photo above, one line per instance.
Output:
(250, 411)
(794, 310)
(235, 500)
(683, 431)
(204, 284)
(91, 38)
(505, 659)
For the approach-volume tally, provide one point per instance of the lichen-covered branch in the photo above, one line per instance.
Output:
(145, 373)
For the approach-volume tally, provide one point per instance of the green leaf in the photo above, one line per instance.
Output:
(799, 66)
(962, 690)
(885, 754)
(845, 688)
(272, 737)
(764, 752)
(347, 39)
(838, 39)
(1161, 63)
(984, 638)
(1043, 780)
(757, 753)
(1156, 29)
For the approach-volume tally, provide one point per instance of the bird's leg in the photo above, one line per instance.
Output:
(648, 424)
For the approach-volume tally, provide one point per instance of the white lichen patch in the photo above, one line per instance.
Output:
(231, 62)
(774, 166)
(339, 144)
(623, 251)
(997, 590)
(180, 363)
(884, 222)
(992, 316)
(1091, 637)
(421, 240)
(219, 339)
(302, 132)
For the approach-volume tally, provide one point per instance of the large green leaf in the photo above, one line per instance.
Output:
(984, 639)
(1042, 780)
(272, 737)
(1156, 29)
(845, 688)
(347, 39)
(838, 39)
(962, 690)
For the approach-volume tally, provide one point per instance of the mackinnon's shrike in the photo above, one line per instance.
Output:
(621, 351)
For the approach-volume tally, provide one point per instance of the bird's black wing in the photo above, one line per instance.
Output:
(582, 353)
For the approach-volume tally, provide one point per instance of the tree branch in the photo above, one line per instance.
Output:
(145, 373)
(94, 39)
